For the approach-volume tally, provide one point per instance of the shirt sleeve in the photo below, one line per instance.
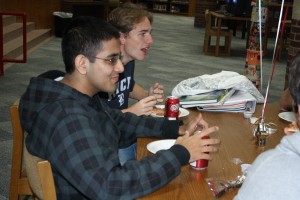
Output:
(88, 160)
(132, 126)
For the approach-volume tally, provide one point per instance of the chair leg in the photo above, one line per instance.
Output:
(206, 43)
(209, 42)
(229, 45)
(226, 45)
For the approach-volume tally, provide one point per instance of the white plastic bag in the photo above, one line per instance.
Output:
(222, 80)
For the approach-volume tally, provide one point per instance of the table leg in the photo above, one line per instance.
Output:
(234, 25)
(244, 29)
(218, 37)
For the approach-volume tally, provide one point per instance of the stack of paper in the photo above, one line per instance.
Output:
(208, 98)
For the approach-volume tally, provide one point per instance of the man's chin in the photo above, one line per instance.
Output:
(140, 58)
(113, 89)
(109, 89)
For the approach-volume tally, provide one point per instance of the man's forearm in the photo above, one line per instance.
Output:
(138, 92)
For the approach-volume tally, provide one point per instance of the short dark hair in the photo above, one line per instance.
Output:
(127, 15)
(294, 79)
(85, 35)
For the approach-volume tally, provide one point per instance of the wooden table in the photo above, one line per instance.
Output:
(278, 4)
(219, 18)
(237, 142)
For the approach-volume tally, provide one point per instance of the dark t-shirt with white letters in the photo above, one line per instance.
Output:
(119, 99)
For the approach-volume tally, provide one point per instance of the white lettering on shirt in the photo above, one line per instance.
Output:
(121, 99)
(123, 85)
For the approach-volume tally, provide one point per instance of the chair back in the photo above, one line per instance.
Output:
(19, 182)
(40, 176)
(19, 185)
(207, 20)
(213, 47)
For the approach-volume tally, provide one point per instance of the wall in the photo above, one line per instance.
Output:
(38, 11)
(201, 6)
(294, 39)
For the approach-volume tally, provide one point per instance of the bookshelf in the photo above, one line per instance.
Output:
(178, 7)
(274, 12)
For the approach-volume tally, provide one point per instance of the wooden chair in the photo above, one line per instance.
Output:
(19, 182)
(212, 31)
(19, 185)
(40, 176)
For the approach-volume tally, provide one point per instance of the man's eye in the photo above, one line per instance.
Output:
(113, 60)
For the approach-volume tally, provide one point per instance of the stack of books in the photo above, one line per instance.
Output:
(226, 100)
(216, 97)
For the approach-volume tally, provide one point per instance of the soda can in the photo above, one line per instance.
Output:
(172, 108)
(202, 163)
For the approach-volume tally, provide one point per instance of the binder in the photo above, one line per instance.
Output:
(240, 101)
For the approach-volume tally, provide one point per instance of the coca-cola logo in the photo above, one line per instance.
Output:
(174, 108)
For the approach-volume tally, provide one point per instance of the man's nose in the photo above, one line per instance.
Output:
(150, 39)
(119, 66)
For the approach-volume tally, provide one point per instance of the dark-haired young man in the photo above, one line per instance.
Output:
(81, 137)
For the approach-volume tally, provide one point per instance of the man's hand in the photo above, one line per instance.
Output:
(143, 107)
(199, 148)
(157, 90)
(194, 143)
(291, 128)
(197, 124)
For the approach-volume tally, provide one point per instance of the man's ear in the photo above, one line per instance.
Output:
(81, 64)
(123, 37)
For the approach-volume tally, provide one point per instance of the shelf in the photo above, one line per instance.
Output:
(160, 1)
(179, 13)
(160, 11)
(180, 3)
(174, 7)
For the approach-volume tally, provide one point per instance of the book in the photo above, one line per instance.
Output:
(208, 97)
(240, 101)
(232, 107)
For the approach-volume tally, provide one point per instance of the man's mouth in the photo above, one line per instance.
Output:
(115, 78)
(145, 50)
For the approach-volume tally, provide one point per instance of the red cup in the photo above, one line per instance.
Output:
(202, 163)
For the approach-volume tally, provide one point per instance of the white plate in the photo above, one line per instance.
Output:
(155, 146)
(183, 112)
(287, 116)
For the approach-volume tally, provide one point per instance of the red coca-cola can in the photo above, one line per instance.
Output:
(172, 108)
(202, 163)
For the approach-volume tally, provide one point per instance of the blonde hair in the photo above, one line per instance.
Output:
(127, 15)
